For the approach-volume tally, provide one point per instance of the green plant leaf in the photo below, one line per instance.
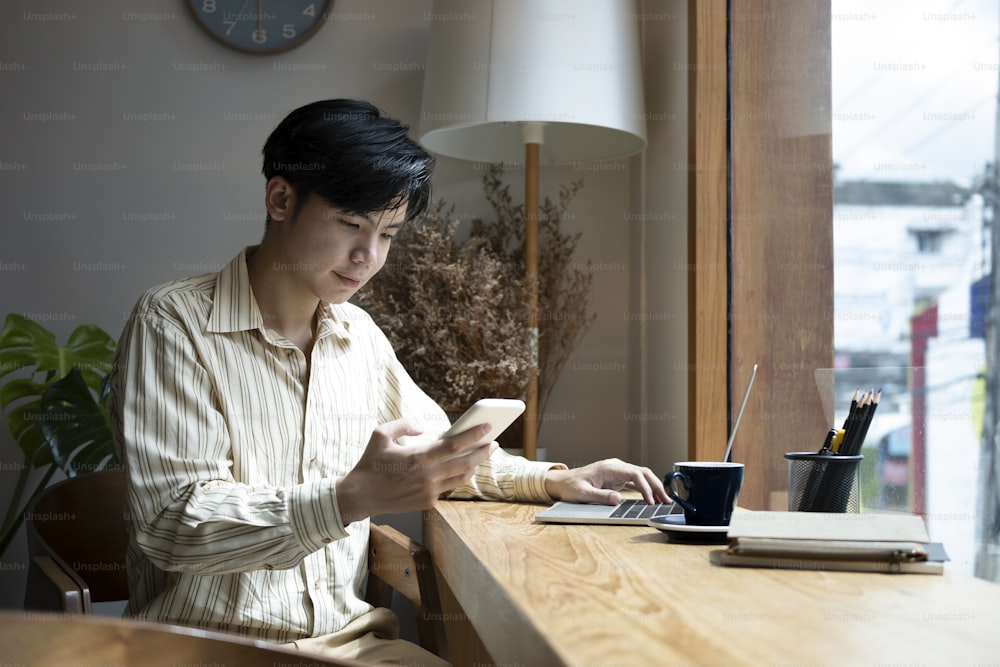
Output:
(91, 350)
(24, 424)
(19, 388)
(24, 342)
(79, 429)
(24, 418)
(76, 426)
(14, 360)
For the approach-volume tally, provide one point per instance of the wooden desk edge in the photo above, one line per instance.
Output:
(458, 570)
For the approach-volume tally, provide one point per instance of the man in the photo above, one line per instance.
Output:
(263, 419)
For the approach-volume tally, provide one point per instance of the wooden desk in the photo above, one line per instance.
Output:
(614, 595)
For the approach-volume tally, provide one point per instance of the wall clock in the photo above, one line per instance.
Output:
(261, 26)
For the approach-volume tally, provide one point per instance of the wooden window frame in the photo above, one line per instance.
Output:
(761, 206)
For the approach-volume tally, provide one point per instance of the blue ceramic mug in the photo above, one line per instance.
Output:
(706, 490)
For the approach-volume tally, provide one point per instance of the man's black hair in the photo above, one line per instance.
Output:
(350, 154)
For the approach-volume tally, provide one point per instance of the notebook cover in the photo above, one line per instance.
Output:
(724, 558)
(867, 527)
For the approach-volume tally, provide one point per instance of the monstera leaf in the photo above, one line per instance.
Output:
(76, 426)
(25, 343)
(31, 351)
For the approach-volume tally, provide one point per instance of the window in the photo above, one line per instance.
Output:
(930, 241)
(914, 94)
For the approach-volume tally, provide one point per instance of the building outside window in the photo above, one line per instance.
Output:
(914, 109)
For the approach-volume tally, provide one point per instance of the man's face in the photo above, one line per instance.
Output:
(331, 253)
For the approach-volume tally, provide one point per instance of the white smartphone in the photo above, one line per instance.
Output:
(499, 413)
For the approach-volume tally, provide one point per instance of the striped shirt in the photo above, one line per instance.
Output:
(234, 444)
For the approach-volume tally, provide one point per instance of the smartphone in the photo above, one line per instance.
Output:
(499, 413)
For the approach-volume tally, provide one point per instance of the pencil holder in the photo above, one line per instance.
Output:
(823, 482)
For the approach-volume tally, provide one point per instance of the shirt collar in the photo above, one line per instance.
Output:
(234, 307)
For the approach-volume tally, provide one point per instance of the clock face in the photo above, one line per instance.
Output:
(261, 26)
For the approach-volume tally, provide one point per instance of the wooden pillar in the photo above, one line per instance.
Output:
(708, 228)
(781, 222)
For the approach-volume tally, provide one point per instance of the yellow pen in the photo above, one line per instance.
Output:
(837, 440)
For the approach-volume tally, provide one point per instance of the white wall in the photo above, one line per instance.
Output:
(659, 351)
(130, 155)
(881, 276)
(955, 400)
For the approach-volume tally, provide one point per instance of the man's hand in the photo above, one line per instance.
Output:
(601, 481)
(391, 477)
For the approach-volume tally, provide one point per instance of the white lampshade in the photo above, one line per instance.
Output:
(566, 72)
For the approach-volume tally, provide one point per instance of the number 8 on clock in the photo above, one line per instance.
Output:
(261, 26)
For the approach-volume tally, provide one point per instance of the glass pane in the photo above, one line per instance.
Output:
(914, 132)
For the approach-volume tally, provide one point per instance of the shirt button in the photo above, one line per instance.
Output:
(327, 540)
(317, 585)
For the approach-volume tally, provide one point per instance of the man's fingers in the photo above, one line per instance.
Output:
(470, 457)
(399, 428)
(659, 493)
(591, 494)
(649, 486)
(609, 496)
(641, 484)
(459, 444)
(656, 492)
(645, 481)
(457, 470)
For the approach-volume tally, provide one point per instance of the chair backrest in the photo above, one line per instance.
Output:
(398, 563)
(77, 539)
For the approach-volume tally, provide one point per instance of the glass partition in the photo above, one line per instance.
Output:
(922, 451)
(914, 147)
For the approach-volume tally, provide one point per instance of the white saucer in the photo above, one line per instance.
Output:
(675, 525)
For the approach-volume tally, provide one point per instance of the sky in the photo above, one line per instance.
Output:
(914, 88)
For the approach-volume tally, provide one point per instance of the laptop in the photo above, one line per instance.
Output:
(631, 511)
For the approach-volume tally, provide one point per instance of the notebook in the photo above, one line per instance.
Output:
(832, 541)
(631, 511)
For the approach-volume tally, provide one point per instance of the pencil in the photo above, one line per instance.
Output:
(851, 422)
(866, 423)
(857, 437)
(851, 425)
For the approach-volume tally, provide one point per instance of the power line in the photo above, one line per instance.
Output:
(908, 109)
(958, 119)
(868, 84)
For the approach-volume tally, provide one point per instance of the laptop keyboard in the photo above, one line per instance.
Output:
(638, 509)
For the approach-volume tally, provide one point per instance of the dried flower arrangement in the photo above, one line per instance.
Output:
(452, 300)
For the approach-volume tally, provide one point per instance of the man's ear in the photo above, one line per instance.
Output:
(279, 199)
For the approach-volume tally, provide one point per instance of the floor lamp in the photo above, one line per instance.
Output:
(533, 82)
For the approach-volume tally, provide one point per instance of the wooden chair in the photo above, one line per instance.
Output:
(398, 563)
(76, 544)
(77, 540)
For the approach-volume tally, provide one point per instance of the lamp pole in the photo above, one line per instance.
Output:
(532, 135)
